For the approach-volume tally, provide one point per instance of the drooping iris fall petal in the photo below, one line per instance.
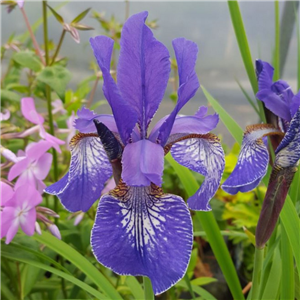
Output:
(89, 170)
(150, 231)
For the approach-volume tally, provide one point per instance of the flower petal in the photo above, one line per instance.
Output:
(252, 161)
(285, 166)
(26, 197)
(186, 55)
(8, 216)
(295, 104)
(27, 221)
(264, 73)
(29, 111)
(18, 168)
(143, 163)
(35, 150)
(288, 151)
(84, 123)
(42, 166)
(197, 124)
(150, 230)
(6, 193)
(102, 47)
(202, 154)
(89, 170)
(143, 69)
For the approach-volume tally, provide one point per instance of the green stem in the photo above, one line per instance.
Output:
(148, 291)
(287, 260)
(258, 262)
(36, 45)
(58, 46)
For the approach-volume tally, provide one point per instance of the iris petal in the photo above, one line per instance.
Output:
(143, 69)
(149, 232)
(84, 123)
(288, 152)
(186, 55)
(102, 47)
(264, 72)
(252, 161)
(202, 154)
(143, 163)
(89, 170)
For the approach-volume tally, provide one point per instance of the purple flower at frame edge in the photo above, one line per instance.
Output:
(150, 232)
(254, 155)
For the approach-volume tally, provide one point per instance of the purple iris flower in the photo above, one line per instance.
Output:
(139, 230)
(254, 156)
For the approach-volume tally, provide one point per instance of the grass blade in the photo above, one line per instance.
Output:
(80, 262)
(235, 130)
(212, 230)
(59, 273)
(134, 287)
(240, 33)
(287, 265)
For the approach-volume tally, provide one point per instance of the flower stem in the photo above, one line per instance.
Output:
(258, 262)
(58, 46)
(148, 291)
(36, 45)
(48, 95)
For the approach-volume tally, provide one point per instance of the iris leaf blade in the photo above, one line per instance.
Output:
(241, 36)
(79, 261)
(212, 230)
(59, 273)
(134, 287)
(235, 130)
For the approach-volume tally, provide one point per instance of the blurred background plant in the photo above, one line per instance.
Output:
(59, 264)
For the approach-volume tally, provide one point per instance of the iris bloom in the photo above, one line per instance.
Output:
(139, 230)
(254, 156)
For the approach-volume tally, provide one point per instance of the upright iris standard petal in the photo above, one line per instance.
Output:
(285, 166)
(186, 55)
(102, 47)
(149, 232)
(202, 154)
(264, 73)
(89, 170)
(295, 104)
(85, 121)
(143, 69)
(143, 163)
(252, 161)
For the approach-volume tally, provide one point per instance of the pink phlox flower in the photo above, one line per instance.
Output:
(29, 112)
(5, 115)
(20, 212)
(6, 192)
(58, 106)
(34, 166)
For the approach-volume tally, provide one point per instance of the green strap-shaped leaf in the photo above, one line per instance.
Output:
(59, 273)
(80, 262)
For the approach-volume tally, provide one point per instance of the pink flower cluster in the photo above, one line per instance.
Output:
(19, 203)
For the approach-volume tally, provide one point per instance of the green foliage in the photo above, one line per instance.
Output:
(57, 78)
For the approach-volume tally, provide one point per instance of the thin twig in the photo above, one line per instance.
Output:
(36, 45)
(58, 46)
(92, 94)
